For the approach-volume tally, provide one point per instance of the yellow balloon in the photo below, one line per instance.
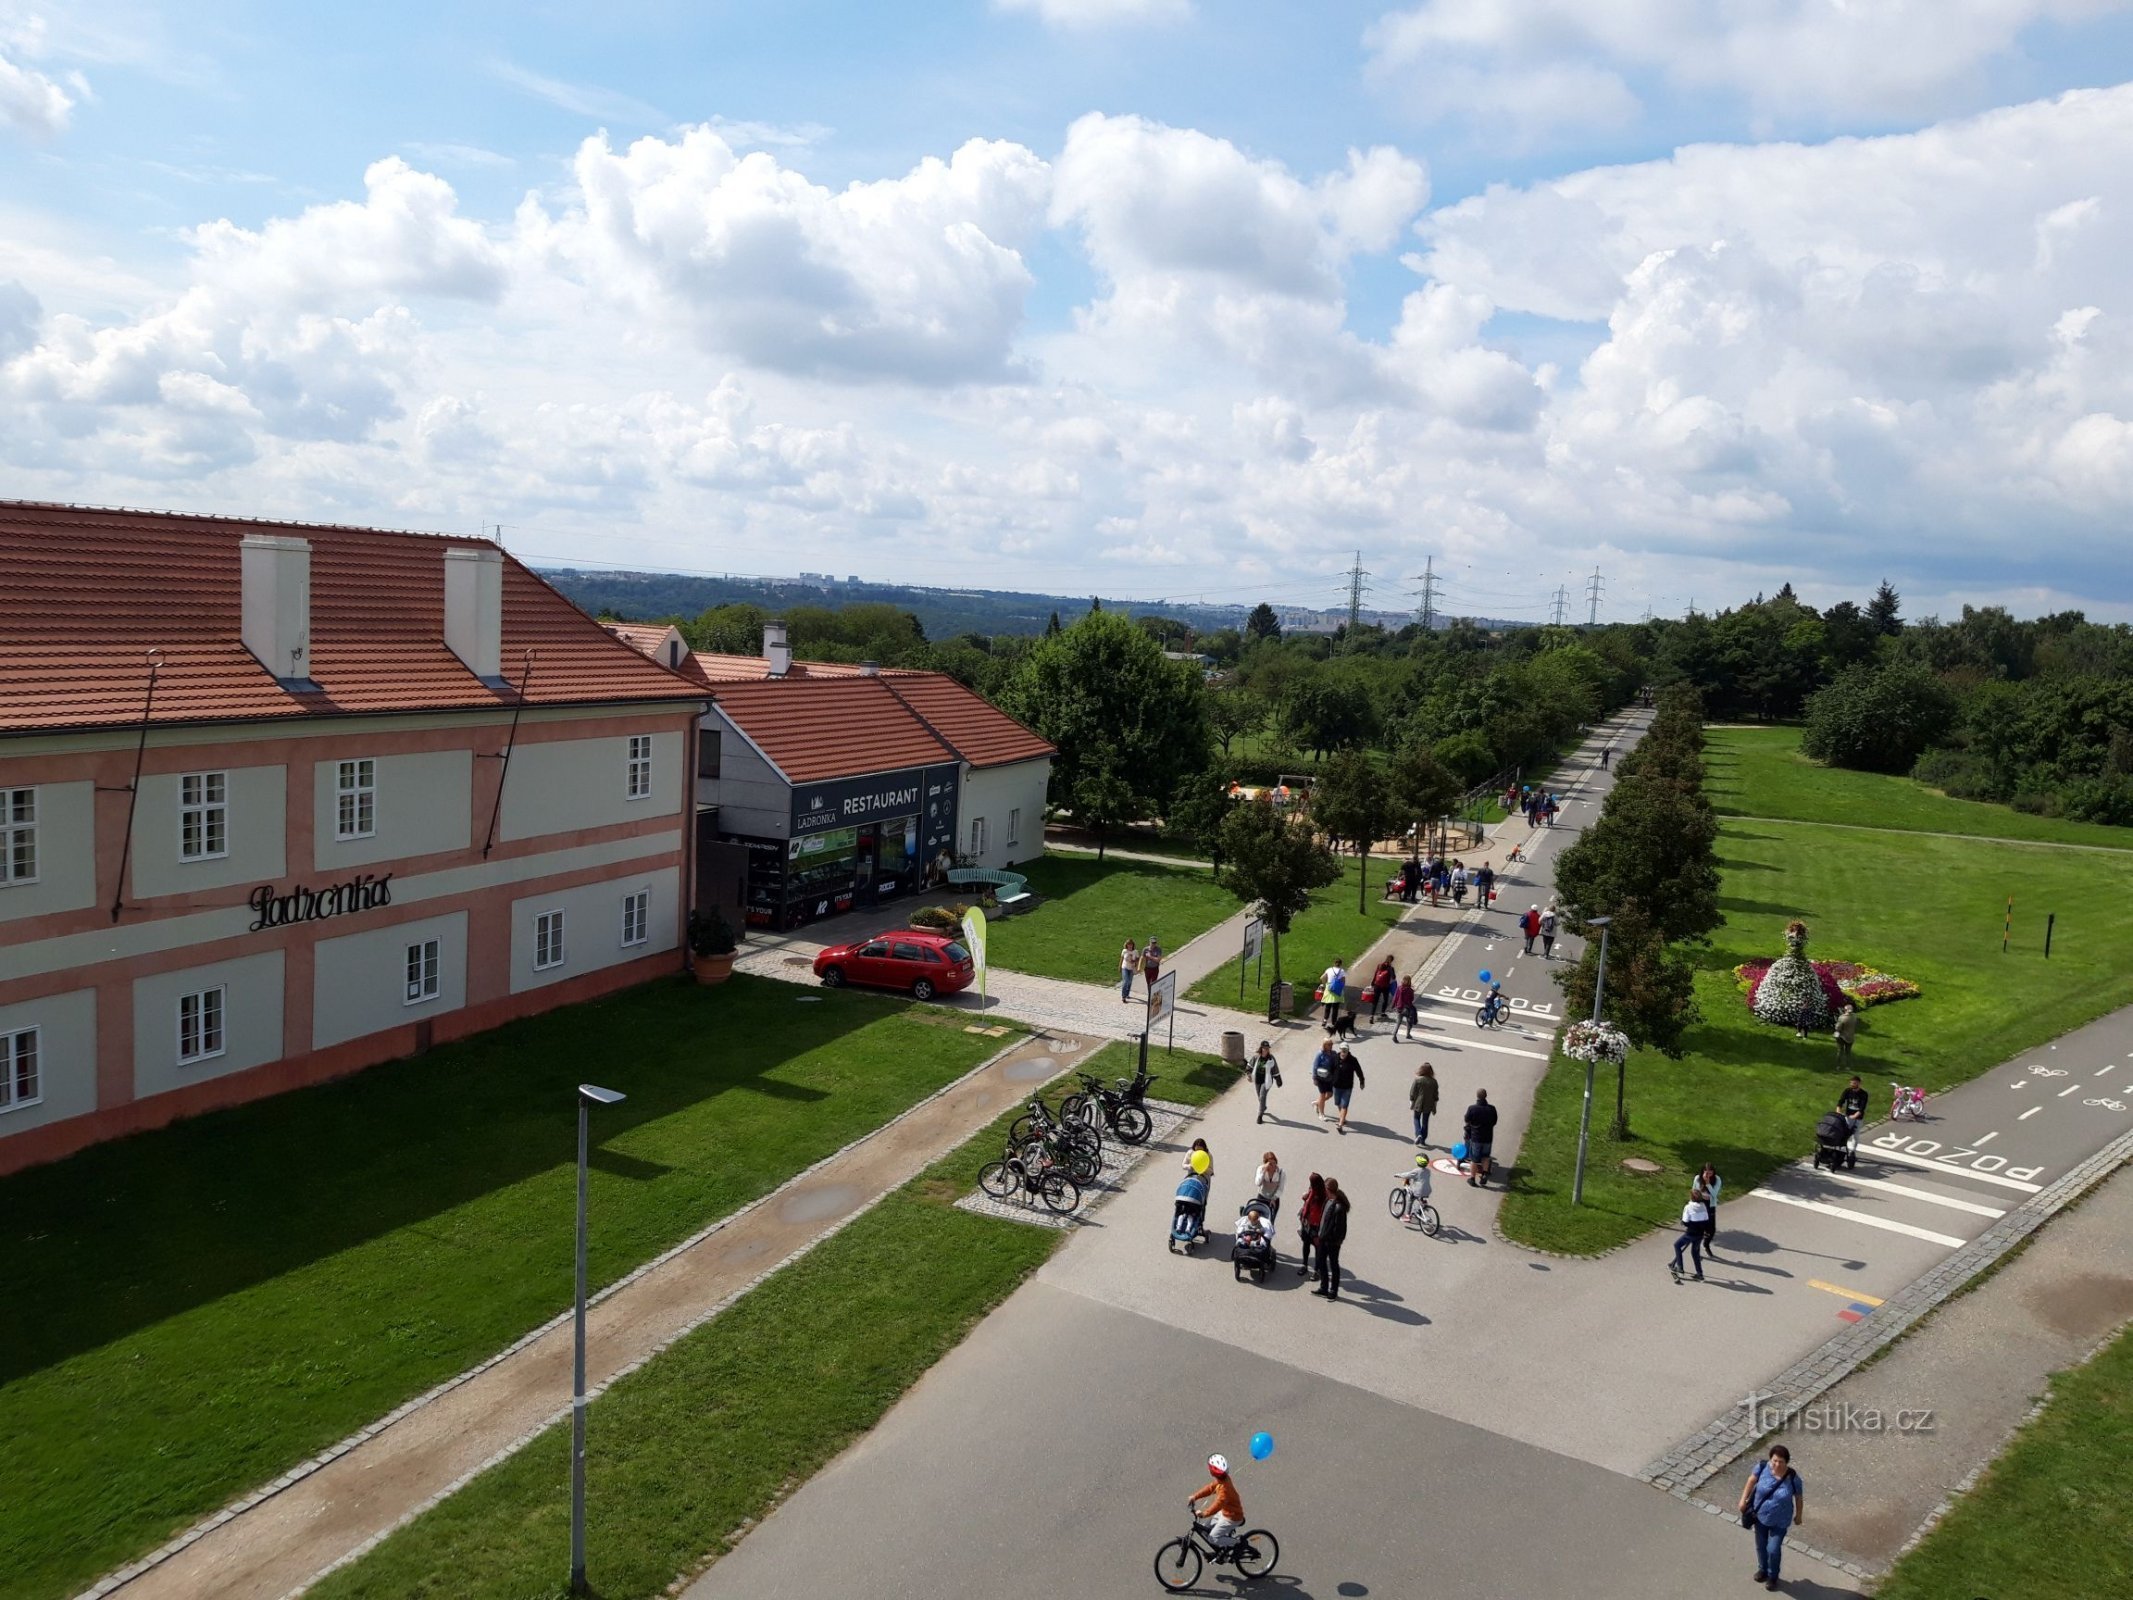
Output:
(1201, 1162)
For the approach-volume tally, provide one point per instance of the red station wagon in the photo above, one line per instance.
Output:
(927, 964)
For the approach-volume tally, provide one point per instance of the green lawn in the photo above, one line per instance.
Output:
(190, 1312)
(1746, 1095)
(708, 1434)
(1760, 772)
(1331, 928)
(1088, 909)
(2048, 1522)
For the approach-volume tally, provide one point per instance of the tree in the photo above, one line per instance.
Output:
(1324, 713)
(1883, 610)
(1262, 623)
(1467, 756)
(1878, 719)
(1423, 788)
(1101, 796)
(1651, 991)
(1232, 713)
(1052, 629)
(1654, 844)
(1202, 805)
(1352, 802)
(1275, 861)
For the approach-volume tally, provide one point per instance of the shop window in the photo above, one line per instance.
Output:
(637, 917)
(547, 940)
(203, 816)
(355, 788)
(21, 1078)
(1014, 826)
(977, 836)
(640, 772)
(18, 836)
(200, 1035)
(425, 971)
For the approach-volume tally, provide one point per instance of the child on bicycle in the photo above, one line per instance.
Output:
(1416, 1181)
(1225, 1507)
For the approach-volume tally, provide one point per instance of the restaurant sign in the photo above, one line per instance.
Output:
(850, 802)
(366, 891)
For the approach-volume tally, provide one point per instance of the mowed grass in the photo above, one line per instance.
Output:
(1746, 1095)
(1089, 908)
(2048, 1522)
(190, 1312)
(1759, 772)
(709, 1434)
(1331, 929)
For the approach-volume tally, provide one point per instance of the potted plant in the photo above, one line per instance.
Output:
(712, 943)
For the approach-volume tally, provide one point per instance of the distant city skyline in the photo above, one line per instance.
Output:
(1179, 299)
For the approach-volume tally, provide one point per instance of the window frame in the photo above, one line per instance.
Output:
(209, 811)
(1014, 826)
(637, 771)
(363, 793)
(980, 836)
(557, 944)
(423, 974)
(218, 994)
(11, 1043)
(15, 832)
(639, 902)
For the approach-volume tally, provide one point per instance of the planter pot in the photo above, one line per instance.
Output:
(714, 969)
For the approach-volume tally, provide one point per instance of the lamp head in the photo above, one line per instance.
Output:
(593, 1095)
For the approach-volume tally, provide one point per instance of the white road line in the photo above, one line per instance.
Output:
(1989, 1137)
(2100, 1071)
(1823, 1206)
(2019, 1083)
(1951, 1168)
(1499, 1049)
(2032, 1111)
(2069, 1089)
(1884, 1186)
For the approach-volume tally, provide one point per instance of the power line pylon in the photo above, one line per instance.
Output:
(1426, 612)
(1356, 588)
(1593, 588)
(1561, 605)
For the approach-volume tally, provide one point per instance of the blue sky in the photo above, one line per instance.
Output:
(1227, 287)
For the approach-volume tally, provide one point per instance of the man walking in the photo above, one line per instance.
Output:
(1266, 1074)
(1485, 884)
(1480, 1140)
(1347, 1074)
(1332, 1234)
(1151, 963)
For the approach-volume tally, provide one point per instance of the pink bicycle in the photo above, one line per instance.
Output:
(1906, 1101)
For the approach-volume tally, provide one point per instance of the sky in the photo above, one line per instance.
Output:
(1163, 299)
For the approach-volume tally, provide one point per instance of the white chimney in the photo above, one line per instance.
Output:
(474, 608)
(276, 578)
(775, 649)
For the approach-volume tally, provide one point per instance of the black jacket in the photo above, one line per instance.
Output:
(1348, 1072)
(1481, 1121)
(1333, 1227)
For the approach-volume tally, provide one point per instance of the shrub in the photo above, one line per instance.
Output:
(1878, 719)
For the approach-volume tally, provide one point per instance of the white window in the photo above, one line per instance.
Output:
(200, 1034)
(21, 1082)
(203, 816)
(1014, 825)
(425, 963)
(355, 789)
(977, 836)
(637, 917)
(18, 836)
(547, 940)
(640, 784)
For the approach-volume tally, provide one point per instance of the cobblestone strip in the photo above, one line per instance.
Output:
(1695, 1460)
(1119, 1160)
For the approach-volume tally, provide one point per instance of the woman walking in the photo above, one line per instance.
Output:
(1129, 962)
(1695, 1220)
(1710, 1182)
(1310, 1211)
(1266, 1074)
(1151, 962)
(1332, 1234)
(1549, 923)
(1270, 1179)
(1403, 1006)
(1422, 1101)
(1199, 1148)
(1772, 1503)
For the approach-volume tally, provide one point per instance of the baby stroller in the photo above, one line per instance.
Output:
(1188, 1217)
(1836, 1143)
(1252, 1250)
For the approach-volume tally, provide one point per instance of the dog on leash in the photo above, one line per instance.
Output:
(1342, 1026)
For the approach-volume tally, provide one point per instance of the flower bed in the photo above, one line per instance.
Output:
(1842, 981)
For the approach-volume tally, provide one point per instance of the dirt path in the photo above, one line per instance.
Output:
(289, 1534)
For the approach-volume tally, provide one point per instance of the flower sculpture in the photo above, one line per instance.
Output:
(1791, 993)
(1596, 1041)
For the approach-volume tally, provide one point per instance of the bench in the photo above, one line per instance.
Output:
(1009, 889)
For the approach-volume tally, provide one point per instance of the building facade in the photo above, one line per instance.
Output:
(278, 802)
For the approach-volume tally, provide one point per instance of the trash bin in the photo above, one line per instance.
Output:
(1279, 1000)
(1233, 1047)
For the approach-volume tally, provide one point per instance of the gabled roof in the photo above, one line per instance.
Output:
(980, 731)
(817, 728)
(86, 594)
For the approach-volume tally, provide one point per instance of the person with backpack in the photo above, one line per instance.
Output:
(1382, 983)
(1548, 924)
(1422, 1101)
(1266, 1073)
(1331, 983)
(1310, 1212)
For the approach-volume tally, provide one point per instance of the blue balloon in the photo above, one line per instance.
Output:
(1487, 976)
(1262, 1446)
(1459, 1151)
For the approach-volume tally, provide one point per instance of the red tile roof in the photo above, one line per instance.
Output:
(816, 728)
(983, 734)
(85, 594)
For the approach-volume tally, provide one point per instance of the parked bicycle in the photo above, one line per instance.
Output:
(1119, 1109)
(1178, 1563)
(1906, 1101)
(1030, 1172)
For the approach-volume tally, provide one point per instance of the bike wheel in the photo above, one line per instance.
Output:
(1081, 1166)
(1429, 1219)
(1059, 1192)
(1396, 1203)
(1482, 1018)
(1070, 1109)
(1133, 1125)
(1177, 1565)
(1022, 1129)
(998, 1179)
(1257, 1551)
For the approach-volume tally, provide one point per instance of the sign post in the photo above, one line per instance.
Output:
(2007, 927)
(1254, 943)
(974, 936)
(1162, 1003)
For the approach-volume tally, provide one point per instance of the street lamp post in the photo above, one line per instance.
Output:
(589, 1095)
(1599, 987)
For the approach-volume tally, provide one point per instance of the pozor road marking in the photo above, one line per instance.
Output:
(1963, 1161)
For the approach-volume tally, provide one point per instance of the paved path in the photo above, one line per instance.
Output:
(328, 1515)
(1929, 833)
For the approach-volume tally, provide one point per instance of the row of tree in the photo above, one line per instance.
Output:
(1649, 865)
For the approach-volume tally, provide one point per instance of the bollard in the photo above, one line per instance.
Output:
(2048, 921)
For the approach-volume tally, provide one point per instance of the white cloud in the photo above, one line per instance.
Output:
(579, 99)
(1100, 13)
(1548, 66)
(31, 102)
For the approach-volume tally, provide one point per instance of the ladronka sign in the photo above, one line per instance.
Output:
(365, 892)
(849, 802)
